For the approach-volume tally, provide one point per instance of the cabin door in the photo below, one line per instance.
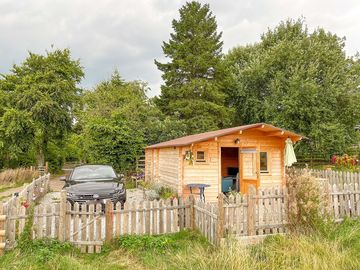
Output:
(249, 168)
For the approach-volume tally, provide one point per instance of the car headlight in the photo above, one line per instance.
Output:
(69, 194)
(118, 191)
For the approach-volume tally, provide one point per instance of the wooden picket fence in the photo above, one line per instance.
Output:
(88, 226)
(13, 212)
(338, 178)
(345, 202)
(257, 213)
(205, 219)
(264, 212)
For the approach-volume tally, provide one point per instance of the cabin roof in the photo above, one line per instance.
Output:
(187, 140)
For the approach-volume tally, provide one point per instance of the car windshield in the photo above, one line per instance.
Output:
(89, 173)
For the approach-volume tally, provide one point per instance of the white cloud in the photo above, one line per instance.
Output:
(128, 34)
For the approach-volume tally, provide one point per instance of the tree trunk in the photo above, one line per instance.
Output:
(40, 157)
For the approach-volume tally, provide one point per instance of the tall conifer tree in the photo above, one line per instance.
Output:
(193, 89)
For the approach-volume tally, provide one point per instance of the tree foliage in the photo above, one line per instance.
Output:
(293, 78)
(298, 80)
(193, 78)
(113, 122)
(38, 96)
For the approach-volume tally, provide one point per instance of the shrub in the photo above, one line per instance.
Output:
(166, 192)
(307, 202)
(159, 191)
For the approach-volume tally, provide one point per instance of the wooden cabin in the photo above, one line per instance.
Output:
(226, 159)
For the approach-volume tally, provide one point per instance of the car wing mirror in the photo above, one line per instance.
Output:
(120, 176)
(62, 178)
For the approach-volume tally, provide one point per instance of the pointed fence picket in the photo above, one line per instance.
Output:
(87, 226)
(345, 202)
(259, 213)
(338, 178)
(14, 211)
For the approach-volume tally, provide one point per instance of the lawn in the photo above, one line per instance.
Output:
(336, 247)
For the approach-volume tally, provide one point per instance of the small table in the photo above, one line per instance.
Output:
(201, 188)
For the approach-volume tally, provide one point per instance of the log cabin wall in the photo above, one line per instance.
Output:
(203, 172)
(274, 146)
(168, 166)
(211, 171)
(162, 164)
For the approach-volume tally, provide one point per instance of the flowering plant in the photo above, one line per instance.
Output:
(345, 161)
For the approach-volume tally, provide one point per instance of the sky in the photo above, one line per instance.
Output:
(127, 35)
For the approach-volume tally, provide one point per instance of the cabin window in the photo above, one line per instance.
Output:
(200, 156)
(264, 162)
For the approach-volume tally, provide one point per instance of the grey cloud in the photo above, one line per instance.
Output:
(128, 34)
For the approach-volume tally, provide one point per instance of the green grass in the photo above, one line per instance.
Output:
(334, 247)
(8, 186)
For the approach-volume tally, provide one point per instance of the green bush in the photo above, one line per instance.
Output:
(166, 192)
(307, 203)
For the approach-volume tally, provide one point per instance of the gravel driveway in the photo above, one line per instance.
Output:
(135, 194)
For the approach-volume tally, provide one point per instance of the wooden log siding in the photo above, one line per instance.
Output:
(163, 165)
(168, 167)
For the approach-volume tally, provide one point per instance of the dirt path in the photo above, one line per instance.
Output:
(56, 184)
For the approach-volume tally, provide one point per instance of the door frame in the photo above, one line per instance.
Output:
(245, 183)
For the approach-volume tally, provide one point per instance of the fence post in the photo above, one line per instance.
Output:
(47, 183)
(251, 210)
(109, 222)
(62, 216)
(221, 219)
(2, 229)
(192, 212)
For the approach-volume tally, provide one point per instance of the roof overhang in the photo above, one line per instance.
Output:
(267, 129)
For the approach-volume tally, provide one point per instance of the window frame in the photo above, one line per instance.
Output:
(267, 171)
(201, 161)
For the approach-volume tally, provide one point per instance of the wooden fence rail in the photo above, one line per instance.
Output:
(87, 226)
(257, 214)
(264, 212)
(345, 202)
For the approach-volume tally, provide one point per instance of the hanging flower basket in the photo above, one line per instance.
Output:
(189, 157)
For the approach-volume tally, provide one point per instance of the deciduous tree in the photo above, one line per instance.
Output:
(40, 93)
(298, 80)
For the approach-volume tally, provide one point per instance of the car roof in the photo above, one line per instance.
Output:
(93, 166)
